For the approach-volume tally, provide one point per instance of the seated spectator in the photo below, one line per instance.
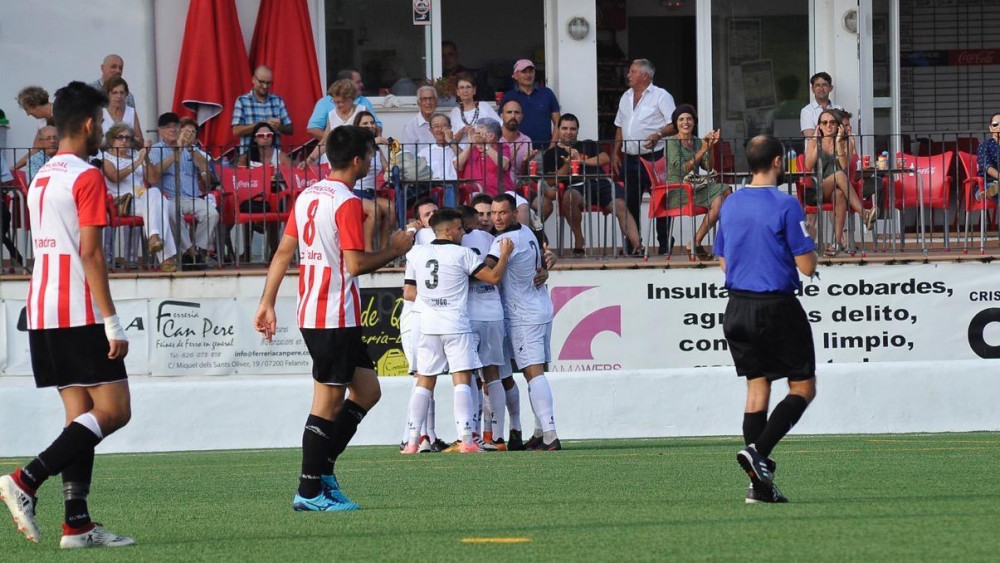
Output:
(345, 111)
(417, 133)
(588, 188)
(379, 212)
(484, 160)
(181, 165)
(686, 153)
(442, 154)
(118, 111)
(47, 140)
(468, 112)
(317, 121)
(127, 173)
(262, 151)
(989, 161)
(827, 151)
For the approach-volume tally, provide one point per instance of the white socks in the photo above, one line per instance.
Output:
(428, 427)
(513, 399)
(540, 395)
(463, 412)
(496, 401)
(90, 422)
(418, 412)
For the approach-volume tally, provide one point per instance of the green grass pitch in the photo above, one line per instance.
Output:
(930, 497)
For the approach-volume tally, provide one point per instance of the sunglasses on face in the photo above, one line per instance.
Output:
(123, 137)
(263, 135)
(828, 122)
(995, 124)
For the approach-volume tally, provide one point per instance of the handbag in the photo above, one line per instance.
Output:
(123, 204)
(698, 181)
(256, 204)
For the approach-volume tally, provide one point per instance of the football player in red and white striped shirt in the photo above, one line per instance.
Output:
(77, 343)
(327, 231)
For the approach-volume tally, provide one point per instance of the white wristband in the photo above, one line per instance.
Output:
(113, 329)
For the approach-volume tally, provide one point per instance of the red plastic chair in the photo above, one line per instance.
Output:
(115, 221)
(247, 199)
(658, 200)
(928, 187)
(974, 183)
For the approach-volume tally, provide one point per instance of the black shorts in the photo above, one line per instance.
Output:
(601, 191)
(769, 336)
(73, 357)
(336, 353)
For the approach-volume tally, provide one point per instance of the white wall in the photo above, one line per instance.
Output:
(836, 52)
(572, 74)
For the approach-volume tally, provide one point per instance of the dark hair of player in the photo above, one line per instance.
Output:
(74, 103)
(761, 152)
(347, 142)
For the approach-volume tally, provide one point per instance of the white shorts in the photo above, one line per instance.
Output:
(530, 344)
(408, 339)
(491, 335)
(438, 354)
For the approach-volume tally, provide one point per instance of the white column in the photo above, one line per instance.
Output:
(571, 64)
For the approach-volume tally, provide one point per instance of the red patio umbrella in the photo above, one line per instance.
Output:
(283, 40)
(213, 70)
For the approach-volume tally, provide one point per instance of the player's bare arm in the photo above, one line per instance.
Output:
(493, 274)
(94, 268)
(265, 321)
(360, 262)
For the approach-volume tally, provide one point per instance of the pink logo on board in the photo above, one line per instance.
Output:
(581, 337)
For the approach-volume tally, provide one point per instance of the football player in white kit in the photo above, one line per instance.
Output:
(439, 275)
(528, 310)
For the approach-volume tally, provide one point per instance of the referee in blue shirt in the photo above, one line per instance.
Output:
(761, 242)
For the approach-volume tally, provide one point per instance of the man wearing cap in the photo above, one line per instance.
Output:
(112, 66)
(182, 165)
(538, 104)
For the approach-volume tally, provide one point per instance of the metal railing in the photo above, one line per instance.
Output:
(213, 214)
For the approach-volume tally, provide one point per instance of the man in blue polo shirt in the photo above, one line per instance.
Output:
(538, 104)
(761, 241)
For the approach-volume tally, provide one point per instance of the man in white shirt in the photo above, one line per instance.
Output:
(528, 310)
(642, 122)
(821, 85)
(442, 152)
(417, 132)
(437, 275)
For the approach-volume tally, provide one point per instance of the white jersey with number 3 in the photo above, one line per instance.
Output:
(523, 302)
(66, 195)
(440, 271)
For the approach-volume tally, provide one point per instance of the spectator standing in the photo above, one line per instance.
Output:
(345, 111)
(453, 69)
(258, 105)
(469, 111)
(118, 111)
(111, 66)
(317, 121)
(417, 132)
(642, 122)
(34, 100)
(821, 85)
(538, 105)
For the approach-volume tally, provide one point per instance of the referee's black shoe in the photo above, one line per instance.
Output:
(756, 468)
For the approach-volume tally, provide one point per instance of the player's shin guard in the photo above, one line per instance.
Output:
(477, 406)
(463, 412)
(540, 395)
(419, 406)
(496, 406)
(80, 437)
(753, 425)
(782, 419)
(344, 428)
(512, 397)
(76, 487)
(315, 455)
(428, 427)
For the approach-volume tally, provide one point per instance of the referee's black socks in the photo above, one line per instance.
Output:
(753, 425)
(782, 419)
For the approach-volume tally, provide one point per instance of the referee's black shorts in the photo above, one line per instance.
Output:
(336, 353)
(73, 357)
(769, 336)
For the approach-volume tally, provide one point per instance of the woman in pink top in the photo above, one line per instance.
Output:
(485, 160)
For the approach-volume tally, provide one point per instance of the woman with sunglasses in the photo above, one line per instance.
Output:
(127, 172)
(989, 161)
(828, 152)
(262, 151)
